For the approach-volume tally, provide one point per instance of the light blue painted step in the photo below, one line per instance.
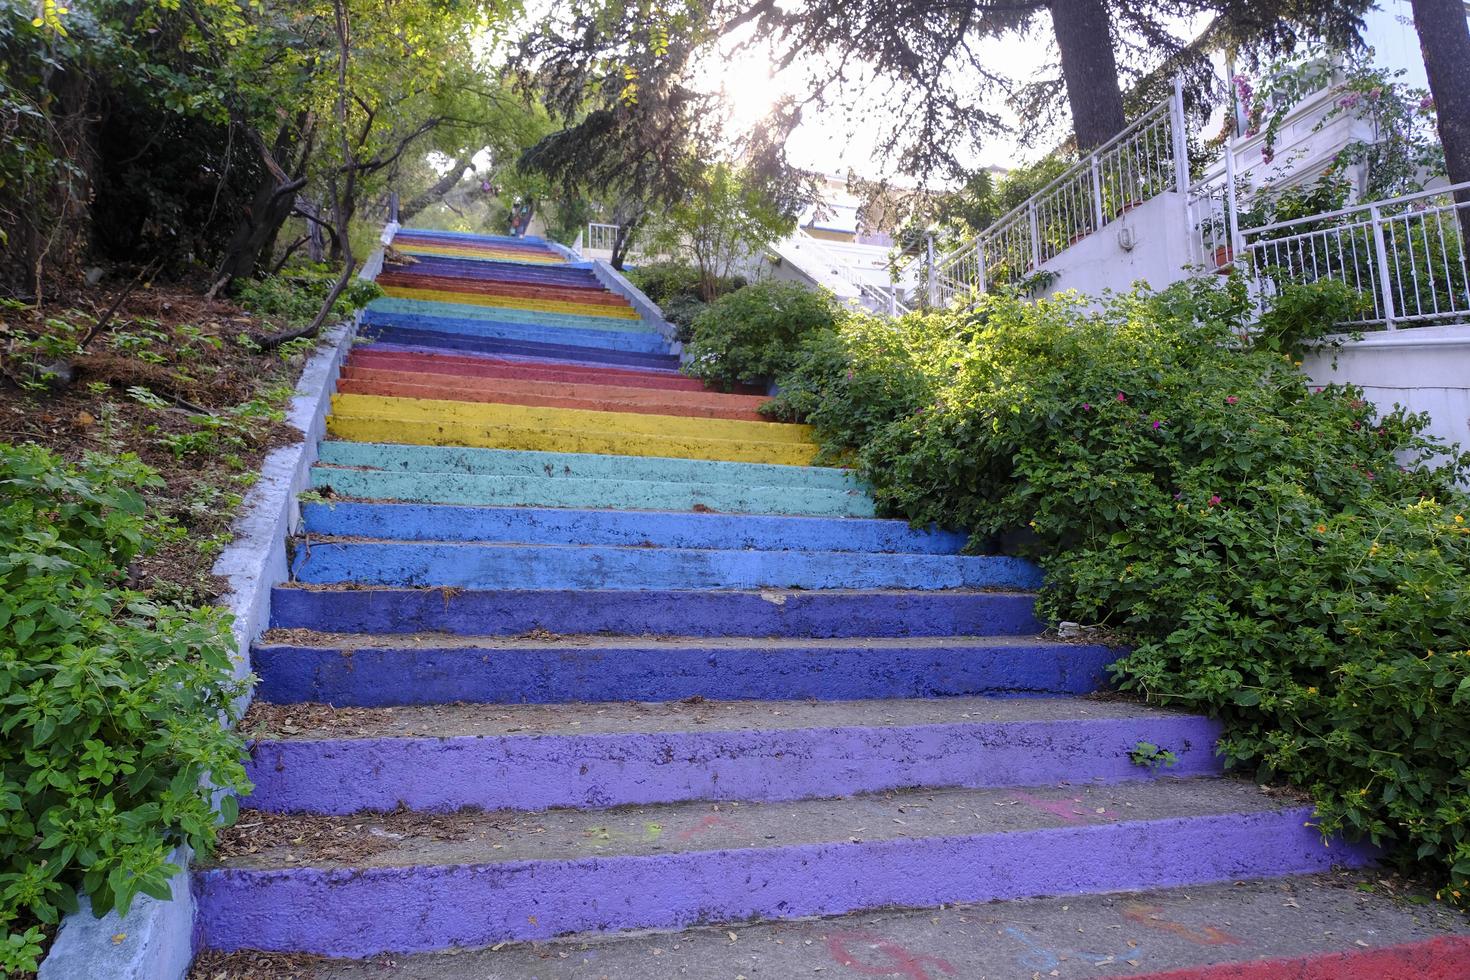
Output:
(620, 340)
(661, 529)
(561, 491)
(580, 466)
(543, 566)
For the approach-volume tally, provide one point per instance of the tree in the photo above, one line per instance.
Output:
(724, 216)
(1444, 39)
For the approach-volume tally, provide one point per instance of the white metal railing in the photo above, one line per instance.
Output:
(601, 237)
(1144, 160)
(1406, 256)
(878, 299)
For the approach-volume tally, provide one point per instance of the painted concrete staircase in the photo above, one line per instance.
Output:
(651, 668)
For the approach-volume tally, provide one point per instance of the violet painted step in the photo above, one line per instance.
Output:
(652, 528)
(460, 343)
(369, 671)
(477, 879)
(531, 757)
(769, 612)
(1310, 927)
(513, 565)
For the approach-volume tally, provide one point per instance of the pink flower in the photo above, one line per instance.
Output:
(1214, 499)
(849, 376)
(1231, 399)
(1122, 397)
(1158, 424)
(1349, 100)
(1426, 103)
(1086, 407)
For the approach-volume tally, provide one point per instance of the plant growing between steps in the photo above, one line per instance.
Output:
(1150, 756)
(1289, 559)
(114, 702)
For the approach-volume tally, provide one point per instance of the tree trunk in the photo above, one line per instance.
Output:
(1085, 40)
(1444, 40)
(258, 227)
(434, 194)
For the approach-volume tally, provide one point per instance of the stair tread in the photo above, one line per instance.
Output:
(456, 720)
(352, 641)
(1109, 935)
(471, 836)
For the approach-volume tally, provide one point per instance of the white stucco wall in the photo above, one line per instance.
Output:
(1149, 244)
(1426, 369)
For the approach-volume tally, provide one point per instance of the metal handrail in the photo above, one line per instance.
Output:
(1340, 212)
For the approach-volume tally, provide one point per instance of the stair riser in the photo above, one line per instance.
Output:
(587, 388)
(532, 525)
(535, 437)
(385, 677)
(635, 338)
(487, 394)
(480, 271)
(439, 298)
(436, 341)
(510, 491)
(574, 466)
(516, 772)
(497, 255)
(359, 913)
(488, 287)
(432, 312)
(510, 566)
(471, 367)
(659, 613)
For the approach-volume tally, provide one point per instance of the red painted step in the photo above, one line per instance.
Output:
(498, 287)
(488, 366)
(1446, 958)
(599, 398)
(391, 389)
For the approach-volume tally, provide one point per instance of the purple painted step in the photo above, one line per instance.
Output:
(670, 867)
(529, 757)
(665, 612)
(365, 672)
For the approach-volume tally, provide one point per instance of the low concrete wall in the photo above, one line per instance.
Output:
(647, 308)
(155, 941)
(1425, 369)
(1148, 243)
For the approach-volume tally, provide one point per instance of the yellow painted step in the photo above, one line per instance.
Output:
(512, 302)
(488, 254)
(573, 419)
(457, 432)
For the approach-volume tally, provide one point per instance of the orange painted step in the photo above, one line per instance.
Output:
(588, 389)
(489, 366)
(549, 399)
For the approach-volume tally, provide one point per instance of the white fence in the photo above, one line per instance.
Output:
(1405, 256)
(1144, 160)
(601, 237)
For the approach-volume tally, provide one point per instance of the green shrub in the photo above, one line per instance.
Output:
(113, 704)
(1283, 558)
(297, 294)
(755, 333)
(674, 287)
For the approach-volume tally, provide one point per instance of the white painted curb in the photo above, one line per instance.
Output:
(156, 939)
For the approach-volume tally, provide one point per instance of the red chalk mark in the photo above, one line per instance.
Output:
(710, 822)
(1207, 936)
(1446, 958)
(901, 962)
(1061, 809)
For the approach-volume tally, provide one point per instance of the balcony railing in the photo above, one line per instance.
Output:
(1144, 160)
(1406, 256)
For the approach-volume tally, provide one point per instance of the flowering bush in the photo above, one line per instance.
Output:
(1288, 560)
(752, 334)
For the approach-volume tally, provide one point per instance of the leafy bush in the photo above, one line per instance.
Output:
(1286, 559)
(675, 287)
(1301, 313)
(754, 333)
(113, 704)
(297, 294)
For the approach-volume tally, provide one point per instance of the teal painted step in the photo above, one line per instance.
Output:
(641, 528)
(547, 566)
(504, 314)
(563, 491)
(582, 466)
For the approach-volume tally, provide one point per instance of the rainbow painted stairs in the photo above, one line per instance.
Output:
(575, 647)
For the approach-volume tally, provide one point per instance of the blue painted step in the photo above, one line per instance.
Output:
(432, 314)
(439, 340)
(663, 529)
(481, 270)
(546, 566)
(661, 612)
(346, 672)
(638, 341)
